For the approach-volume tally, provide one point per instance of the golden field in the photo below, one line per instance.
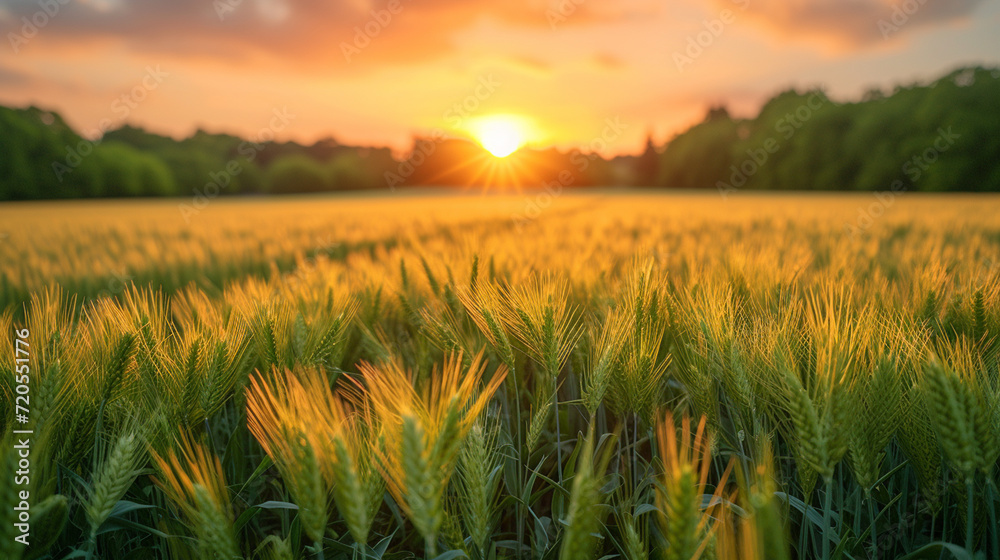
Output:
(524, 375)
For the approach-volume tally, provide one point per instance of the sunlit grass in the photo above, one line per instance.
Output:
(347, 377)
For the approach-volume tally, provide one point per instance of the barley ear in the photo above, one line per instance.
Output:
(349, 494)
(953, 411)
(538, 421)
(114, 475)
(478, 481)
(917, 440)
(275, 548)
(584, 518)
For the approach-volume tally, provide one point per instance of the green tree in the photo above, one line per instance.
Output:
(296, 174)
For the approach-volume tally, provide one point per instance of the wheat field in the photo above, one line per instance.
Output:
(534, 375)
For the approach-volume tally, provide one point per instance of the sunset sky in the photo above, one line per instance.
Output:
(560, 69)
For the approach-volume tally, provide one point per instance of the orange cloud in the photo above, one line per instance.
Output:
(847, 24)
(335, 35)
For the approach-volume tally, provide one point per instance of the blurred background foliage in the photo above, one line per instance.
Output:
(810, 141)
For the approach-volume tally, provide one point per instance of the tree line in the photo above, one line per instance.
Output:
(939, 136)
(935, 136)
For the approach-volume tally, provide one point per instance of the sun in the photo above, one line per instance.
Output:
(501, 135)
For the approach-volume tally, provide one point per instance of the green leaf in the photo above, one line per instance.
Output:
(277, 505)
(245, 518)
(934, 551)
(644, 508)
(126, 506)
(451, 554)
(117, 523)
(814, 515)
